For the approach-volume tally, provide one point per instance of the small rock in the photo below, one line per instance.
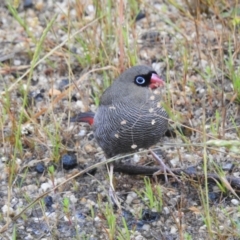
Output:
(166, 210)
(213, 196)
(221, 227)
(146, 227)
(16, 62)
(3, 159)
(73, 199)
(48, 201)
(39, 5)
(82, 132)
(140, 16)
(129, 199)
(227, 166)
(91, 8)
(7, 210)
(39, 168)
(89, 148)
(236, 174)
(235, 202)
(173, 230)
(46, 186)
(63, 83)
(97, 219)
(69, 161)
(136, 158)
(79, 104)
(27, 4)
(174, 162)
(139, 237)
(83, 201)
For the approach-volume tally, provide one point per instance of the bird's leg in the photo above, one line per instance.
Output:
(111, 191)
(165, 168)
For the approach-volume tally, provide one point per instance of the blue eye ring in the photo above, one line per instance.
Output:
(140, 80)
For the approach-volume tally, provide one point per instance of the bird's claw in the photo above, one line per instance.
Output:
(164, 169)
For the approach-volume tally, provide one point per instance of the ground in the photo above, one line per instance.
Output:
(57, 57)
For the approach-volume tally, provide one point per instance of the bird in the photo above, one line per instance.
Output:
(130, 115)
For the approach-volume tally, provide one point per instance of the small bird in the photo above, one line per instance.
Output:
(130, 115)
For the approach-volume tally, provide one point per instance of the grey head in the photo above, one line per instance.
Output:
(130, 115)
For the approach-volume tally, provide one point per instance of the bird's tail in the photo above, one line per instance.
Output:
(83, 117)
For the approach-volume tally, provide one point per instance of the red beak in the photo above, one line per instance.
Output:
(156, 81)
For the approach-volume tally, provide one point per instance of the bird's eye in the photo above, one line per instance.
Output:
(140, 80)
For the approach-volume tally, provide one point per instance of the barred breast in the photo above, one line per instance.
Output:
(125, 126)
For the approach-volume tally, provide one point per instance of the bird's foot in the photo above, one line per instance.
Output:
(112, 193)
(164, 169)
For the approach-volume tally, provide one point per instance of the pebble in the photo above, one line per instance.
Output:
(140, 16)
(80, 105)
(173, 201)
(89, 148)
(136, 158)
(83, 201)
(46, 186)
(39, 5)
(63, 83)
(16, 62)
(174, 162)
(90, 203)
(90, 9)
(39, 168)
(73, 199)
(27, 4)
(48, 200)
(97, 219)
(82, 132)
(236, 174)
(173, 230)
(213, 196)
(7, 210)
(69, 161)
(227, 166)
(221, 227)
(67, 219)
(235, 202)
(139, 237)
(146, 227)
(130, 197)
(166, 210)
